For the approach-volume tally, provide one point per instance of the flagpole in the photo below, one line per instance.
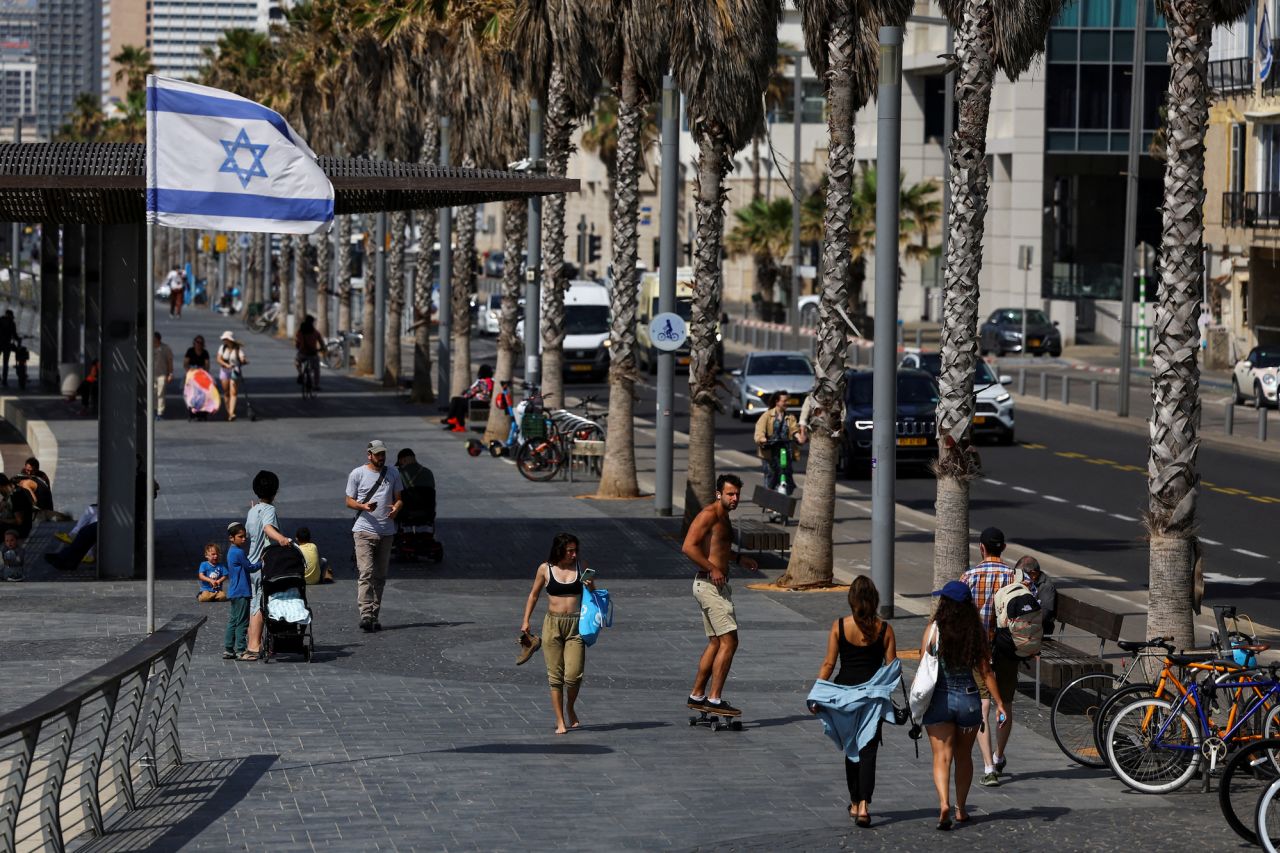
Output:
(148, 483)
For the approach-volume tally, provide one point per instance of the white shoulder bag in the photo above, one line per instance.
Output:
(926, 676)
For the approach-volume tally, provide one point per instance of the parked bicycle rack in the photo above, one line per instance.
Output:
(587, 453)
(72, 755)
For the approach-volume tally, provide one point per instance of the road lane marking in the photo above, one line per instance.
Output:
(1249, 553)
(1215, 577)
(1055, 499)
(1024, 490)
(1088, 508)
(1123, 517)
(995, 482)
(1032, 446)
(1209, 541)
(1264, 499)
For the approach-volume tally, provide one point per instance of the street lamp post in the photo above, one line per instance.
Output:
(533, 268)
(1131, 207)
(668, 237)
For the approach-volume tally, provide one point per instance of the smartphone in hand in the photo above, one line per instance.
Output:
(588, 574)
(372, 506)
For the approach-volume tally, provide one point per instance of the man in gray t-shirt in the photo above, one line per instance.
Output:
(373, 491)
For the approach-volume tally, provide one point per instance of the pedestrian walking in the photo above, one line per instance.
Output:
(230, 358)
(373, 491)
(1046, 590)
(709, 545)
(564, 575)
(957, 639)
(865, 646)
(776, 432)
(161, 371)
(262, 526)
(177, 281)
(984, 580)
(8, 341)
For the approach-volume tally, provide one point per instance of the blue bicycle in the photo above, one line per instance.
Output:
(1155, 745)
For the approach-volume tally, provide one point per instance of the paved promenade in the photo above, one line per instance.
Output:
(427, 737)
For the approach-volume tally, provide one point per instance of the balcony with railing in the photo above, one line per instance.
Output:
(1234, 77)
(1251, 210)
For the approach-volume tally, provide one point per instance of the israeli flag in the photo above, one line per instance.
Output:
(219, 161)
(1264, 48)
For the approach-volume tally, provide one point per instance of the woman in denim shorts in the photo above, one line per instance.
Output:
(958, 639)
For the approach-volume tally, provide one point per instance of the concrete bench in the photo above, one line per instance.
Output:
(771, 501)
(759, 536)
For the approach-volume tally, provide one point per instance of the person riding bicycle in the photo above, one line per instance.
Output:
(309, 344)
(776, 430)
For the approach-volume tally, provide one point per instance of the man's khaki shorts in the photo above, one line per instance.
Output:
(718, 616)
(1006, 671)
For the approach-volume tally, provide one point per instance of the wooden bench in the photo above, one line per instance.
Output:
(760, 536)
(1059, 664)
(477, 414)
(773, 501)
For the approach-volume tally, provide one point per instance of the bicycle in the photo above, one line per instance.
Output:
(338, 351)
(1246, 777)
(1266, 820)
(1154, 746)
(310, 375)
(542, 451)
(267, 319)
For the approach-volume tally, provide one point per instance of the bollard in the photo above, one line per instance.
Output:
(919, 338)
(1022, 382)
(755, 337)
(1229, 417)
(1093, 395)
(1262, 424)
(1044, 386)
(1066, 390)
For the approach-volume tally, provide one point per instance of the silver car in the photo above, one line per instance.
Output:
(762, 373)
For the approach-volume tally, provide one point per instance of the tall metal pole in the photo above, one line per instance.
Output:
(266, 268)
(885, 380)
(1131, 206)
(797, 190)
(668, 240)
(149, 496)
(443, 361)
(15, 258)
(533, 268)
(380, 318)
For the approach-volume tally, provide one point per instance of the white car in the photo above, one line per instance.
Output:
(993, 410)
(1258, 376)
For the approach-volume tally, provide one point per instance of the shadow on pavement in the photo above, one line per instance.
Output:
(778, 721)
(531, 749)
(626, 727)
(190, 799)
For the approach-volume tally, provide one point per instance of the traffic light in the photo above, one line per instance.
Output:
(593, 248)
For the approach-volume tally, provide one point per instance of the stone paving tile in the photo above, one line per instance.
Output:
(427, 737)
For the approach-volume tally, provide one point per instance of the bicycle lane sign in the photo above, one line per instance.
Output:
(668, 332)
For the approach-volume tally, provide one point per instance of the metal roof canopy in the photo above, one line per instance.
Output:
(105, 183)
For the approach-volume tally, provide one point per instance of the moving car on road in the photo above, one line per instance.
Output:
(916, 426)
(762, 373)
(1002, 333)
(993, 412)
(1258, 374)
(489, 315)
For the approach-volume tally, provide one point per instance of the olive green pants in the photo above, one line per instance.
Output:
(563, 650)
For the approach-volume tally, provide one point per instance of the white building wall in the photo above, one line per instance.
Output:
(181, 29)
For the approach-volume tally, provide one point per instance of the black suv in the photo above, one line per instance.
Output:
(916, 420)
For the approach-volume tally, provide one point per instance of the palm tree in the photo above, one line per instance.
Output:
(554, 39)
(241, 61)
(342, 257)
(763, 231)
(841, 39)
(990, 34)
(86, 122)
(920, 211)
(722, 53)
(1175, 419)
(634, 58)
(515, 226)
(423, 274)
(288, 282)
(393, 323)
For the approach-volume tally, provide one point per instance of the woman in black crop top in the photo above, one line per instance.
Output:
(862, 643)
(562, 647)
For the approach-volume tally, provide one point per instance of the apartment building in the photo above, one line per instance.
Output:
(67, 47)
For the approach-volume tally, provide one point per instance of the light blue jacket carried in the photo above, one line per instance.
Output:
(851, 715)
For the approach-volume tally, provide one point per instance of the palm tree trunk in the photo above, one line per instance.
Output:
(812, 560)
(957, 462)
(1175, 420)
(368, 301)
(515, 225)
(395, 300)
(559, 130)
(756, 195)
(714, 159)
(286, 278)
(342, 257)
(253, 273)
(464, 277)
(324, 275)
(618, 476)
(302, 272)
(423, 277)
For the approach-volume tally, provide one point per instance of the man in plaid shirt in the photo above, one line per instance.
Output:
(983, 580)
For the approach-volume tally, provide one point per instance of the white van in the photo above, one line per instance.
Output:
(586, 328)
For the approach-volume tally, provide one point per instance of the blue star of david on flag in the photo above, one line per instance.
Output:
(231, 164)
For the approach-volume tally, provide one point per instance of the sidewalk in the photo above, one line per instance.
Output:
(426, 736)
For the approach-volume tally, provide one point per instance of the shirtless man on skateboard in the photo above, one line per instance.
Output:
(709, 545)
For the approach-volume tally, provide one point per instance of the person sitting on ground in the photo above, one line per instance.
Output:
(13, 556)
(72, 555)
(20, 512)
(481, 391)
(317, 570)
(239, 590)
(213, 575)
(41, 496)
(1046, 590)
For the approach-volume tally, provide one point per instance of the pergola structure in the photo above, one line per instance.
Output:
(95, 194)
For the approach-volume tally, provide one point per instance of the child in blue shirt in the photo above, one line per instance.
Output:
(213, 575)
(239, 591)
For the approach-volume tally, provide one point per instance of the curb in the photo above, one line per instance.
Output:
(39, 436)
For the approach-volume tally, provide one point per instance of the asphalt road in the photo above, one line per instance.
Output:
(1078, 491)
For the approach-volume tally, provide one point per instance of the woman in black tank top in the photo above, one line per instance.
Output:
(862, 643)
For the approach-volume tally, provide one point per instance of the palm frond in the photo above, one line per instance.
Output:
(1021, 28)
(870, 15)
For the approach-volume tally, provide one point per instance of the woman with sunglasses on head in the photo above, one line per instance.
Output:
(563, 576)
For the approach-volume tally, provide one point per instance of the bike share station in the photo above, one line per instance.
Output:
(90, 201)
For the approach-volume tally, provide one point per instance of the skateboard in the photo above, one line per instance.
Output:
(715, 720)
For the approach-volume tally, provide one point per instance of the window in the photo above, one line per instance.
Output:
(1094, 97)
(1269, 158)
(812, 106)
(935, 107)
(1060, 108)
(1238, 139)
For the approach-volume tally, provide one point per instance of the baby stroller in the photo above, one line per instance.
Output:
(284, 603)
(416, 526)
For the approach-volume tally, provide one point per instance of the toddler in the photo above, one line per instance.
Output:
(213, 575)
(12, 556)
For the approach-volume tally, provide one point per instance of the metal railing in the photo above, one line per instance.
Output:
(1231, 76)
(1251, 210)
(72, 755)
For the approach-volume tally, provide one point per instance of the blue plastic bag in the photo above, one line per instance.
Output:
(597, 613)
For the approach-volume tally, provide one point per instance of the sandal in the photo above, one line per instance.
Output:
(228, 655)
(944, 820)
(250, 656)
